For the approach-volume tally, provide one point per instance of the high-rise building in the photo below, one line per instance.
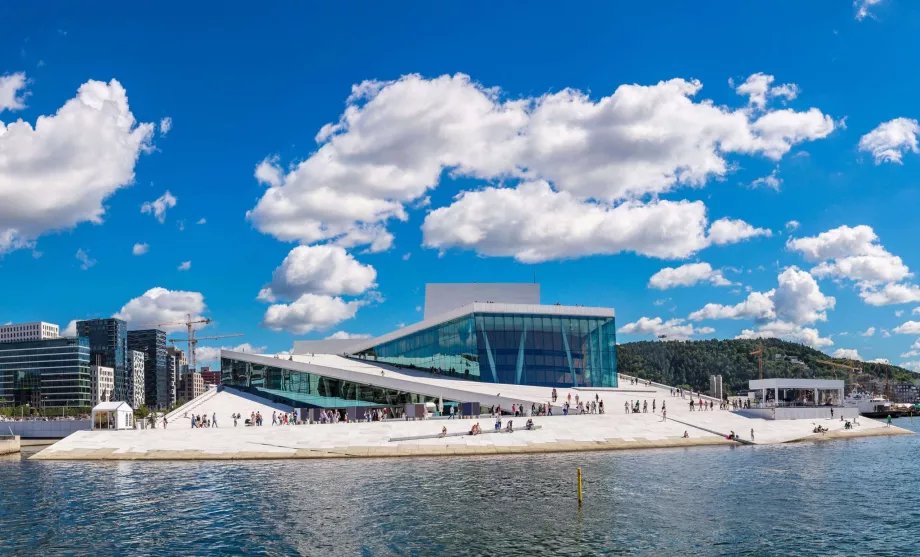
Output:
(46, 373)
(176, 367)
(103, 383)
(191, 386)
(152, 343)
(38, 330)
(108, 345)
(136, 364)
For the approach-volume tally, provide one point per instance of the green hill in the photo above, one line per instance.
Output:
(690, 363)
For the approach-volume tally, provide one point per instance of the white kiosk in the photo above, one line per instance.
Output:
(113, 415)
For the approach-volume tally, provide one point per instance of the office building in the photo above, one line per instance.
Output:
(210, 376)
(906, 393)
(50, 373)
(108, 344)
(191, 385)
(490, 337)
(175, 368)
(152, 343)
(38, 330)
(103, 383)
(136, 364)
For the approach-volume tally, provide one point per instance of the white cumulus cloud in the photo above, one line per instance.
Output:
(321, 269)
(184, 266)
(890, 140)
(797, 300)
(160, 305)
(868, 332)
(396, 138)
(853, 253)
(158, 206)
(165, 125)
(533, 223)
(788, 331)
(310, 312)
(70, 330)
(672, 329)
(908, 328)
(57, 174)
(729, 231)
(759, 87)
(140, 249)
(848, 353)
(12, 94)
(891, 294)
(687, 275)
(792, 225)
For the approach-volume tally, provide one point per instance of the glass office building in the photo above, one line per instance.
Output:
(518, 348)
(152, 343)
(50, 373)
(108, 343)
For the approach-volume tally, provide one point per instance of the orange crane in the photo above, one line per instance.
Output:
(857, 369)
(759, 353)
(189, 323)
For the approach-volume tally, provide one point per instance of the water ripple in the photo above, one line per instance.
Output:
(853, 497)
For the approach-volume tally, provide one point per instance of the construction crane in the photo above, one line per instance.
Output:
(193, 344)
(191, 340)
(759, 353)
(850, 368)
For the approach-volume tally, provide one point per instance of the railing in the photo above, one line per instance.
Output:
(663, 386)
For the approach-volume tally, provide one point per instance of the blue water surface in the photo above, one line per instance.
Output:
(842, 497)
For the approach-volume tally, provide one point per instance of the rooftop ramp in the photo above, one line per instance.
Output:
(224, 402)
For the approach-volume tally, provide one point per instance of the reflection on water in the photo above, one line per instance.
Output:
(848, 497)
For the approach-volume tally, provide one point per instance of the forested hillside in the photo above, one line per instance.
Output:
(690, 363)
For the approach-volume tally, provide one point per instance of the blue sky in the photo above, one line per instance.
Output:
(584, 162)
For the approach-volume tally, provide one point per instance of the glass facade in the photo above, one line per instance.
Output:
(522, 349)
(152, 343)
(307, 390)
(108, 343)
(46, 373)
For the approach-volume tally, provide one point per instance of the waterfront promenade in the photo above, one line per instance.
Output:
(590, 432)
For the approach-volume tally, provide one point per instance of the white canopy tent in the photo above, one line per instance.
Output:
(113, 415)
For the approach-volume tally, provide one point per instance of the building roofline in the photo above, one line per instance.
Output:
(484, 307)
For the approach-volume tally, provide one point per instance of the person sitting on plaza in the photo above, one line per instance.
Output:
(529, 424)
(686, 435)
(444, 431)
(509, 428)
(498, 423)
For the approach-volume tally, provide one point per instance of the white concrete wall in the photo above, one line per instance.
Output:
(44, 430)
(812, 413)
(9, 444)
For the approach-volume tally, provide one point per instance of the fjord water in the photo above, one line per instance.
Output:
(845, 497)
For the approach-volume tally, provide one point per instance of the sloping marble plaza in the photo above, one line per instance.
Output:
(613, 430)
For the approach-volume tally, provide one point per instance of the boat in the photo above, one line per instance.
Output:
(873, 406)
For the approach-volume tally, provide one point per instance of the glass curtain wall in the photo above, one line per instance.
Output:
(555, 351)
(46, 373)
(447, 349)
(300, 389)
